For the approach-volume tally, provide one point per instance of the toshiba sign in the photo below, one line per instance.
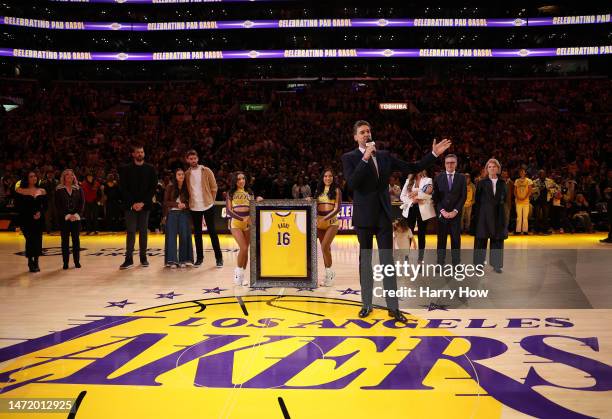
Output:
(393, 106)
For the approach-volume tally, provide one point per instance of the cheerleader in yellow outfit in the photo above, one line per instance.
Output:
(328, 196)
(237, 207)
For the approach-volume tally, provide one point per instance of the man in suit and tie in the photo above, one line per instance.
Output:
(367, 173)
(449, 195)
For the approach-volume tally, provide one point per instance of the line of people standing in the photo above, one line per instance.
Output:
(188, 200)
(452, 199)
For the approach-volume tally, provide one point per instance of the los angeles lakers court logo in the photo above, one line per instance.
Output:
(236, 356)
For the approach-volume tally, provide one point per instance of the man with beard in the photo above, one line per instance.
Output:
(137, 185)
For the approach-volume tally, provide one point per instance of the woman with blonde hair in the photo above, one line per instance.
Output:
(70, 205)
(490, 217)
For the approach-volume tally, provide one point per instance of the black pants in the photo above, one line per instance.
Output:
(136, 220)
(542, 217)
(196, 216)
(33, 233)
(70, 229)
(496, 253)
(414, 217)
(91, 216)
(384, 238)
(452, 227)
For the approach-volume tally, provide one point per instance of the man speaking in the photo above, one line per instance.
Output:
(367, 174)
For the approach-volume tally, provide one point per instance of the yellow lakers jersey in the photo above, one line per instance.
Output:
(240, 202)
(282, 245)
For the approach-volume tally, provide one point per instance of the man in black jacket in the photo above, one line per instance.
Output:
(367, 173)
(450, 190)
(137, 182)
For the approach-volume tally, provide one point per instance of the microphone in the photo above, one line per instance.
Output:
(372, 143)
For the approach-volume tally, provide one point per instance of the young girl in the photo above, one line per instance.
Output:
(237, 207)
(402, 239)
(328, 206)
(176, 210)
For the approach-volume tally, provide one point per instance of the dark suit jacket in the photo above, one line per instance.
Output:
(371, 201)
(449, 200)
(489, 214)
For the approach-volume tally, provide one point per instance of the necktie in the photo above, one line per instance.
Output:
(375, 166)
(450, 181)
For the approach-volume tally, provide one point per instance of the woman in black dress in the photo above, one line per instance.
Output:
(490, 217)
(31, 203)
(70, 205)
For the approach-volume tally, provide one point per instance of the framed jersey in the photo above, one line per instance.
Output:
(284, 243)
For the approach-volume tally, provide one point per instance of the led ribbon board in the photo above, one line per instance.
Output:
(160, 1)
(305, 54)
(305, 23)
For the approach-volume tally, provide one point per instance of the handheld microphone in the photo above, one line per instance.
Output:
(371, 143)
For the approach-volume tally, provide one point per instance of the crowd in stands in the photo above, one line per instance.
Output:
(558, 130)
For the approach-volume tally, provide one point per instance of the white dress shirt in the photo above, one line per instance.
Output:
(494, 181)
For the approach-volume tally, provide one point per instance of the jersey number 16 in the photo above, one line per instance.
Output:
(284, 239)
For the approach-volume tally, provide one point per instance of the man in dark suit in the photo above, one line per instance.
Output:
(449, 195)
(367, 174)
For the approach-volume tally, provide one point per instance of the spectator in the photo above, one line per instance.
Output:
(395, 189)
(91, 191)
(112, 203)
(543, 190)
(49, 184)
(523, 188)
(581, 214)
(466, 215)
(300, 189)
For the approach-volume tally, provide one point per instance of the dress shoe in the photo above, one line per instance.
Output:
(128, 264)
(365, 311)
(498, 270)
(77, 265)
(398, 316)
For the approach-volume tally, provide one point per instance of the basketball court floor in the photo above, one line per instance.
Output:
(187, 343)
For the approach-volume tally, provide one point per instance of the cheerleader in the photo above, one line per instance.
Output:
(237, 207)
(329, 197)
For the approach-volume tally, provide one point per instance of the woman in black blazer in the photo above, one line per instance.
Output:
(490, 218)
(70, 204)
(31, 203)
